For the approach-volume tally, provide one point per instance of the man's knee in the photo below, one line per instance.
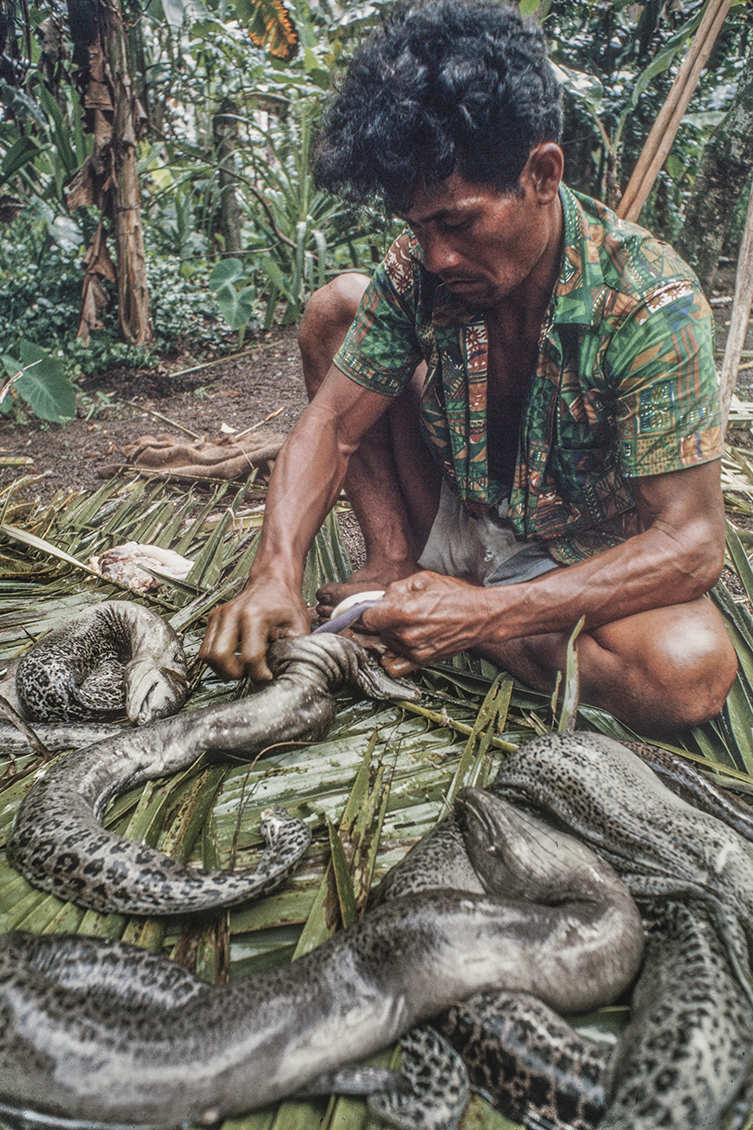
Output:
(325, 322)
(701, 667)
(683, 668)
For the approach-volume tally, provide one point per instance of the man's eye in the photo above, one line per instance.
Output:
(456, 225)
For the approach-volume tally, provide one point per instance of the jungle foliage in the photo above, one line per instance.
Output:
(227, 94)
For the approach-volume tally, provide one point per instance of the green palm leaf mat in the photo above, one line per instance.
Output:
(377, 782)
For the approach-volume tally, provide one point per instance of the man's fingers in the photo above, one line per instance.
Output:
(238, 633)
(398, 665)
(256, 638)
(219, 646)
(378, 617)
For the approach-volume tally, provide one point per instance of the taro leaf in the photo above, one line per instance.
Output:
(226, 272)
(236, 306)
(44, 387)
(235, 301)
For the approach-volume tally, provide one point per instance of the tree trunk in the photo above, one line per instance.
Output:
(108, 178)
(133, 291)
(720, 183)
(226, 142)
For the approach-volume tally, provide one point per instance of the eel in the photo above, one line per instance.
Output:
(110, 659)
(661, 846)
(99, 1033)
(685, 1058)
(58, 843)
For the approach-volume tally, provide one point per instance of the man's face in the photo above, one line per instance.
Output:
(483, 243)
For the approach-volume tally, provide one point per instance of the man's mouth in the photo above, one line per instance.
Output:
(461, 283)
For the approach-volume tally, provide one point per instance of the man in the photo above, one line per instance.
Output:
(522, 403)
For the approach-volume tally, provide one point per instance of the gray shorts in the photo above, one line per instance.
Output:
(483, 549)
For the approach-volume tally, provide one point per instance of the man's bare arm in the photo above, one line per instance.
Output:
(676, 558)
(305, 483)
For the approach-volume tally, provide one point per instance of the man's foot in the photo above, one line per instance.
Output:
(376, 576)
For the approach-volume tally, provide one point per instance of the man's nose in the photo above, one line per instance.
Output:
(439, 256)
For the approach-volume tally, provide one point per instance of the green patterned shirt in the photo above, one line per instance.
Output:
(624, 383)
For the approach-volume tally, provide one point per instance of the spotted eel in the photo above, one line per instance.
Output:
(58, 841)
(100, 1033)
(110, 659)
(685, 1058)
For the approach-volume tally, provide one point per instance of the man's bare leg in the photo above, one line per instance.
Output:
(392, 483)
(657, 671)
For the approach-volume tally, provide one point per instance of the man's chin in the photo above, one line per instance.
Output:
(479, 304)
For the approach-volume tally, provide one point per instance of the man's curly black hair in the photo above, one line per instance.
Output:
(444, 85)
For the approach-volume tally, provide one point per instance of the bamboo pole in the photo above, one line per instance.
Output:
(741, 309)
(660, 139)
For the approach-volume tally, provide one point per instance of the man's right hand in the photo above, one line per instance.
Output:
(239, 632)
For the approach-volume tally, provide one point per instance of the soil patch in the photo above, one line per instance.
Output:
(118, 406)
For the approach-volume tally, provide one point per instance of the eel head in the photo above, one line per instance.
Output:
(331, 661)
(155, 691)
(521, 855)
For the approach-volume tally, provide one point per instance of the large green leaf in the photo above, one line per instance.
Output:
(224, 273)
(236, 306)
(22, 152)
(43, 383)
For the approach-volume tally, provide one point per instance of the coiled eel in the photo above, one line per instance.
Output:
(101, 1034)
(685, 1058)
(58, 842)
(111, 659)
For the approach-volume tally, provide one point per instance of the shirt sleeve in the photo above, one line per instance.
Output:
(661, 358)
(381, 349)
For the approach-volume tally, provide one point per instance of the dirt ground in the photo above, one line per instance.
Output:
(119, 406)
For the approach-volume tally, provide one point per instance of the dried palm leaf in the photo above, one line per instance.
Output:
(381, 777)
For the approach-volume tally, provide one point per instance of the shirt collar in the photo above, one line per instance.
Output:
(581, 279)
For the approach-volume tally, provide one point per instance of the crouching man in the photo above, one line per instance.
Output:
(521, 402)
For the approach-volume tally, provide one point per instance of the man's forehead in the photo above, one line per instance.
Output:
(451, 196)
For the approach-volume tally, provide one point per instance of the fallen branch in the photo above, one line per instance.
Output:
(164, 419)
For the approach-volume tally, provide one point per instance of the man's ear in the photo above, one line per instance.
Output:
(544, 169)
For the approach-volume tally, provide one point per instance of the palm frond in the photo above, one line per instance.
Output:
(374, 785)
